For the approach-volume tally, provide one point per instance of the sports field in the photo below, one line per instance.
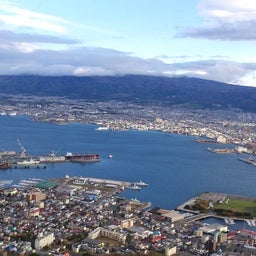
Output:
(239, 205)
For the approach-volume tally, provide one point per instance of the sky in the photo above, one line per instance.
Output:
(209, 39)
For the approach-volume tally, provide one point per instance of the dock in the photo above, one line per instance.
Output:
(104, 181)
(28, 166)
(248, 160)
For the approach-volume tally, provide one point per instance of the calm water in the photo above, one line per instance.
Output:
(176, 167)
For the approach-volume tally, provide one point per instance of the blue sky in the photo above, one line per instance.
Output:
(211, 39)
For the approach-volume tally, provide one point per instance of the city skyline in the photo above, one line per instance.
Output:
(199, 38)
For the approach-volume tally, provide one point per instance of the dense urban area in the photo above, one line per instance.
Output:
(86, 216)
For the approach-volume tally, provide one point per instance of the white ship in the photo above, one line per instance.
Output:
(102, 128)
(141, 184)
(134, 187)
(29, 163)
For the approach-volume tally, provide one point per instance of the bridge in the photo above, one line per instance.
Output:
(199, 217)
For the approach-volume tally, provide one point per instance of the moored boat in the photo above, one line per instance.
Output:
(83, 158)
(29, 163)
(141, 184)
(5, 165)
(134, 187)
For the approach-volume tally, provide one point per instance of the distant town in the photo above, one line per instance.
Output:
(225, 126)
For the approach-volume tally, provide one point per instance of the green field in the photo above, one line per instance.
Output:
(236, 205)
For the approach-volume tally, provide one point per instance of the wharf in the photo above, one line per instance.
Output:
(248, 160)
(28, 166)
(206, 141)
(106, 181)
(222, 150)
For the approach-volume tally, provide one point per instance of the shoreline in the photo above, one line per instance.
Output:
(92, 126)
(199, 215)
(118, 126)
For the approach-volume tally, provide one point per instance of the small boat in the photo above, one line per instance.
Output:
(110, 156)
(134, 187)
(102, 128)
(141, 184)
(135, 200)
(5, 165)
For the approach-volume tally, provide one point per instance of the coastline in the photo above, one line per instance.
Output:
(209, 196)
(129, 158)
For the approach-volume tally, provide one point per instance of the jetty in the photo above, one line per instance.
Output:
(249, 160)
(83, 180)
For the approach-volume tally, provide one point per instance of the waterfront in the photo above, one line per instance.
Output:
(175, 166)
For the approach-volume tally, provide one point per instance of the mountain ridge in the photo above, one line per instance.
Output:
(187, 91)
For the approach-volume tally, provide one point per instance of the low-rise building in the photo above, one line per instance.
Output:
(44, 240)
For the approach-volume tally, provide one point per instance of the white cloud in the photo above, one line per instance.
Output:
(90, 71)
(7, 36)
(225, 20)
(249, 79)
(185, 72)
(232, 5)
(25, 47)
(46, 53)
(86, 61)
(13, 16)
(229, 10)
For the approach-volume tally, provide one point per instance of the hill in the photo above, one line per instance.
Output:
(191, 92)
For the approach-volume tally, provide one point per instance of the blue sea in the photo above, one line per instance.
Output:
(175, 166)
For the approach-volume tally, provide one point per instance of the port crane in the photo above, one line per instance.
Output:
(23, 150)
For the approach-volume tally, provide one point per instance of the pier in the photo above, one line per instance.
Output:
(104, 181)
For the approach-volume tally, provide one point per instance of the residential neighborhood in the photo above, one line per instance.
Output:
(76, 215)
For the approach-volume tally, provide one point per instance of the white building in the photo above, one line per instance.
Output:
(170, 250)
(221, 139)
(44, 240)
(114, 235)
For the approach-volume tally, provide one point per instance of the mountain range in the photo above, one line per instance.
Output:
(181, 91)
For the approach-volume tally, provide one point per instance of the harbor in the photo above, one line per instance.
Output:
(13, 160)
(214, 200)
(165, 163)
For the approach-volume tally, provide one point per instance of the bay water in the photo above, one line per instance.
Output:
(175, 166)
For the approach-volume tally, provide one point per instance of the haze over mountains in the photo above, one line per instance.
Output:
(183, 91)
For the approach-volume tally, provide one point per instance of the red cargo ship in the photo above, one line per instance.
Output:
(83, 158)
